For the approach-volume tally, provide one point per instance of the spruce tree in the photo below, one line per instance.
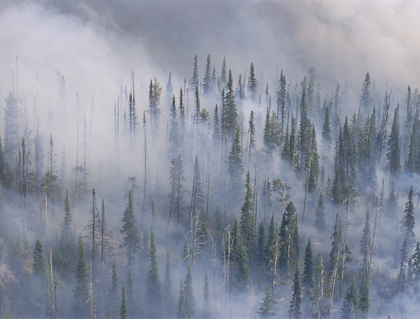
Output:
(189, 294)
(39, 261)
(206, 298)
(247, 224)
(207, 81)
(167, 287)
(130, 231)
(82, 289)
(351, 304)
(153, 286)
(294, 308)
(194, 79)
(123, 309)
(416, 266)
(320, 222)
(113, 290)
(308, 269)
(235, 168)
(252, 82)
(230, 113)
(364, 241)
(238, 261)
(407, 222)
(181, 312)
(267, 306)
(393, 154)
(364, 301)
(326, 127)
(270, 244)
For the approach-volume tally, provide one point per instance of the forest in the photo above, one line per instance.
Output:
(215, 188)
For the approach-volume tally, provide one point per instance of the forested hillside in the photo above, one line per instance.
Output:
(217, 190)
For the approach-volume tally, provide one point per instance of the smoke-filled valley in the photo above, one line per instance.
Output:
(197, 159)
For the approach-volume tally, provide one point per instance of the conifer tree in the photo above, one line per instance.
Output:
(393, 154)
(197, 111)
(93, 229)
(235, 167)
(238, 261)
(289, 238)
(206, 298)
(294, 308)
(167, 287)
(197, 195)
(326, 127)
(259, 251)
(351, 304)
(182, 312)
(364, 241)
(82, 289)
(252, 82)
(177, 178)
(267, 306)
(320, 222)
(270, 244)
(230, 114)
(203, 237)
(207, 81)
(130, 231)
(189, 294)
(123, 309)
(407, 222)
(153, 286)
(308, 268)
(251, 132)
(247, 224)
(364, 302)
(217, 134)
(194, 79)
(366, 93)
(113, 290)
(173, 132)
(416, 266)
(130, 294)
(314, 165)
(39, 261)
(106, 247)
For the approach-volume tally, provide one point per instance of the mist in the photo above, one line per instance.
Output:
(92, 85)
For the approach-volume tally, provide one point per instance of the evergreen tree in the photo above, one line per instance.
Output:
(217, 134)
(314, 165)
(167, 287)
(235, 168)
(194, 79)
(393, 154)
(197, 195)
(364, 302)
(153, 287)
(174, 130)
(238, 261)
(320, 222)
(206, 298)
(308, 268)
(407, 222)
(416, 266)
(252, 82)
(113, 290)
(189, 294)
(39, 261)
(267, 306)
(270, 244)
(271, 136)
(230, 113)
(259, 252)
(326, 127)
(294, 308)
(207, 81)
(351, 304)
(130, 231)
(247, 224)
(93, 229)
(130, 294)
(82, 289)
(177, 178)
(364, 241)
(182, 312)
(123, 309)
(366, 93)
(203, 236)
(289, 238)
(251, 132)
(197, 111)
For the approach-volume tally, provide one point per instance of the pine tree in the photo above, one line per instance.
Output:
(206, 298)
(238, 261)
(39, 261)
(252, 82)
(364, 302)
(207, 81)
(235, 168)
(123, 309)
(326, 127)
(230, 114)
(364, 241)
(308, 268)
(81, 291)
(351, 304)
(167, 287)
(267, 306)
(194, 79)
(393, 154)
(294, 308)
(407, 223)
(197, 111)
(366, 93)
(182, 312)
(130, 231)
(189, 294)
(153, 287)
(247, 224)
(320, 222)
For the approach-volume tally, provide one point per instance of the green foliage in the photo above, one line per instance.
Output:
(393, 154)
(189, 293)
(247, 224)
(407, 222)
(167, 287)
(130, 231)
(153, 286)
(320, 223)
(351, 304)
(206, 298)
(235, 167)
(238, 261)
(308, 268)
(123, 309)
(289, 238)
(267, 306)
(294, 308)
(182, 311)
(39, 261)
(365, 240)
(252, 82)
(326, 127)
(81, 290)
(113, 290)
